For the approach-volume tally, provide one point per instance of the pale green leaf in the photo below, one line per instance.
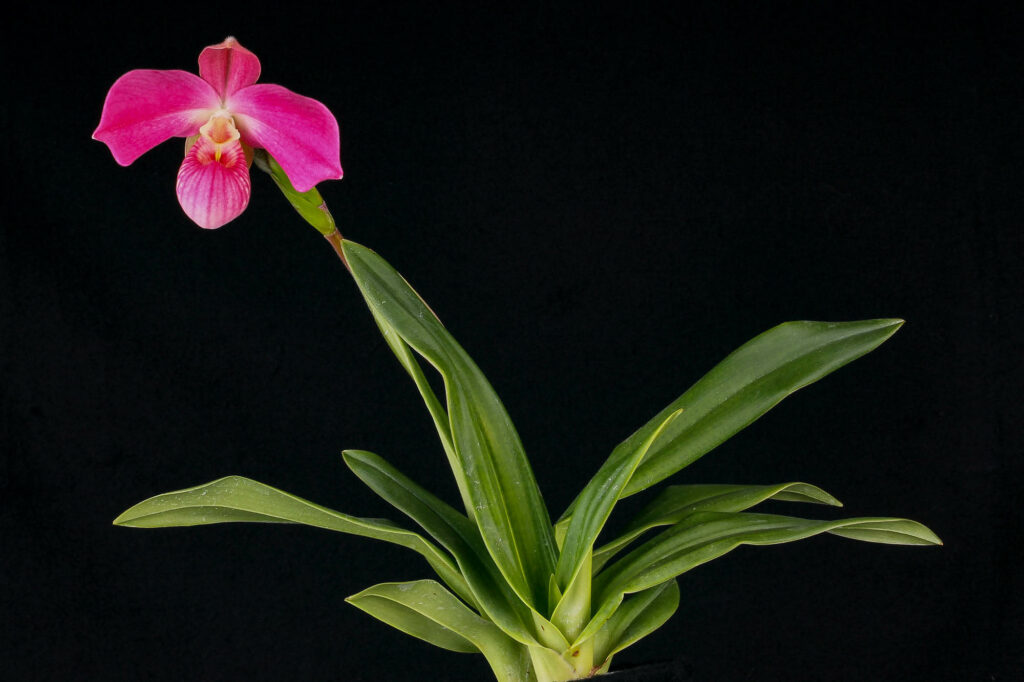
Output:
(637, 617)
(596, 501)
(703, 536)
(498, 482)
(675, 502)
(745, 385)
(426, 610)
(442, 424)
(238, 499)
(456, 533)
(572, 611)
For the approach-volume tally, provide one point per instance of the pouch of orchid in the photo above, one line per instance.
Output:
(540, 600)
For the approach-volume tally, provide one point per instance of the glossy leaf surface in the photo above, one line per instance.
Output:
(234, 499)
(704, 536)
(426, 610)
(597, 500)
(506, 502)
(748, 383)
(407, 358)
(458, 535)
(675, 502)
(639, 616)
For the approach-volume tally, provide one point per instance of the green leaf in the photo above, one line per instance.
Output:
(704, 536)
(437, 411)
(554, 594)
(639, 616)
(572, 611)
(675, 502)
(888, 532)
(748, 383)
(390, 602)
(238, 499)
(596, 501)
(456, 533)
(505, 500)
(426, 610)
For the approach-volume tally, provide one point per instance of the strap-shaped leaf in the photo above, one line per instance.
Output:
(505, 500)
(572, 610)
(745, 385)
(417, 613)
(639, 616)
(426, 610)
(456, 533)
(596, 501)
(704, 536)
(677, 501)
(235, 499)
(442, 424)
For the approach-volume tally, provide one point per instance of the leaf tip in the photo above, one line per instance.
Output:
(125, 518)
(355, 456)
(831, 500)
(926, 534)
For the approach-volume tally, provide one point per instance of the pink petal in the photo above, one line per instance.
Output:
(213, 192)
(145, 107)
(228, 67)
(298, 131)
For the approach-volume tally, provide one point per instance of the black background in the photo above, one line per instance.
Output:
(600, 203)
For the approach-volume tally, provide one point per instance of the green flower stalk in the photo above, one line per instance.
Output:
(545, 598)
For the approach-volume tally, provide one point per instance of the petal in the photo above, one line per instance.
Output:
(213, 191)
(300, 132)
(228, 67)
(145, 107)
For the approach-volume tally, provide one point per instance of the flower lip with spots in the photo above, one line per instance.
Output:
(223, 114)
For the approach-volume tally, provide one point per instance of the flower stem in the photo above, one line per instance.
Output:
(334, 238)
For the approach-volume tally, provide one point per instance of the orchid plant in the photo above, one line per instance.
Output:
(541, 600)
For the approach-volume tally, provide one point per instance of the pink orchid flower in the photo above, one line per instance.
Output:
(225, 116)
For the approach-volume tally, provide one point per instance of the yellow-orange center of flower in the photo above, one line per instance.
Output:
(220, 130)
